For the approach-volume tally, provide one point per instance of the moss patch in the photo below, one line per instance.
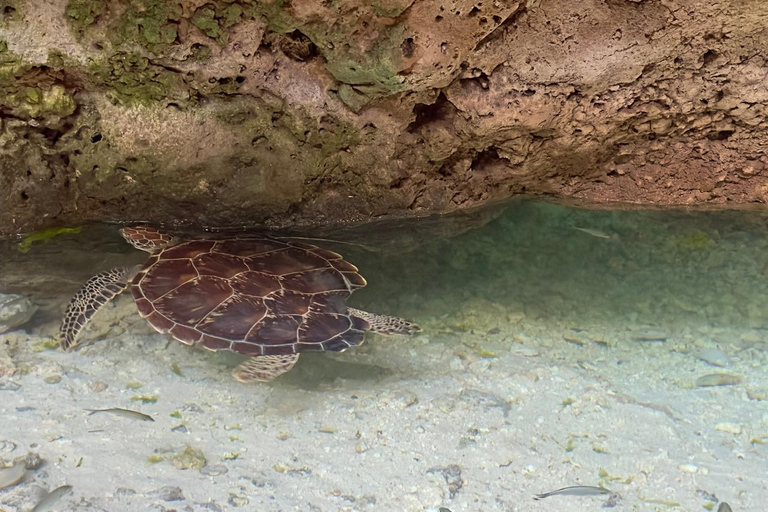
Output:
(83, 13)
(366, 70)
(216, 18)
(372, 72)
(152, 24)
(28, 91)
(131, 79)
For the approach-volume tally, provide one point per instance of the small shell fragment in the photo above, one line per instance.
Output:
(13, 475)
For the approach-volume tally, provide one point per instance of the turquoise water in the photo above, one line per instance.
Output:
(673, 269)
(560, 346)
(664, 268)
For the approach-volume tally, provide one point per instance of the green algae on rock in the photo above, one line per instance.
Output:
(44, 235)
(83, 13)
(131, 78)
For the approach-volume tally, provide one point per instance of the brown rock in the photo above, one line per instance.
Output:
(318, 113)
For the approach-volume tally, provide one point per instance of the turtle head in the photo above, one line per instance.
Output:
(146, 238)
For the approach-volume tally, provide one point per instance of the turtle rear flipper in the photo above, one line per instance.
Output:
(384, 324)
(96, 292)
(264, 368)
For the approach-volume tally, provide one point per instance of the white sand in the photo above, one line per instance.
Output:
(449, 419)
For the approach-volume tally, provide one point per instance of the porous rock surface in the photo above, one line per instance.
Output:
(309, 112)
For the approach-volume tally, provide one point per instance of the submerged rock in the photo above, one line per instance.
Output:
(15, 311)
(167, 493)
(714, 356)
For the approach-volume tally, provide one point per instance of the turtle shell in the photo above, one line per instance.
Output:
(254, 296)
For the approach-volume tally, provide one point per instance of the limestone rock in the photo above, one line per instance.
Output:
(15, 311)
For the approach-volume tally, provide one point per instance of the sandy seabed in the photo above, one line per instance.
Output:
(453, 419)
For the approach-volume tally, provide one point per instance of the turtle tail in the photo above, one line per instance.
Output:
(384, 324)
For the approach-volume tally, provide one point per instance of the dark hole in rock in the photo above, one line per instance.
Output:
(485, 158)
(709, 57)
(473, 12)
(438, 18)
(529, 92)
(720, 135)
(24, 196)
(408, 47)
(441, 109)
(239, 79)
(297, 46)
(96, 138)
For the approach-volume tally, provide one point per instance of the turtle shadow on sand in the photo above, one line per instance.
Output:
(319, 371)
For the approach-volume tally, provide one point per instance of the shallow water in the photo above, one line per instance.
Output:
(560, 346)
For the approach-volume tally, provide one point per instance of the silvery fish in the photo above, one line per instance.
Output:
(594, 232)
(13, 475)
(724, 507)
(136, 415)
(52, 498)
(574, 490)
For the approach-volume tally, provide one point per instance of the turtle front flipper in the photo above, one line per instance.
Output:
(384, 324)
(264, 368)
(96, 292)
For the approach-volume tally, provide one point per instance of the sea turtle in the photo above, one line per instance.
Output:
(254, 295)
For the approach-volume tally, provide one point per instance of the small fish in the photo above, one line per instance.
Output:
(49, 500)
(13, 475)
(593, 232)
(135, 415)
(724, 507)
(574, 490)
